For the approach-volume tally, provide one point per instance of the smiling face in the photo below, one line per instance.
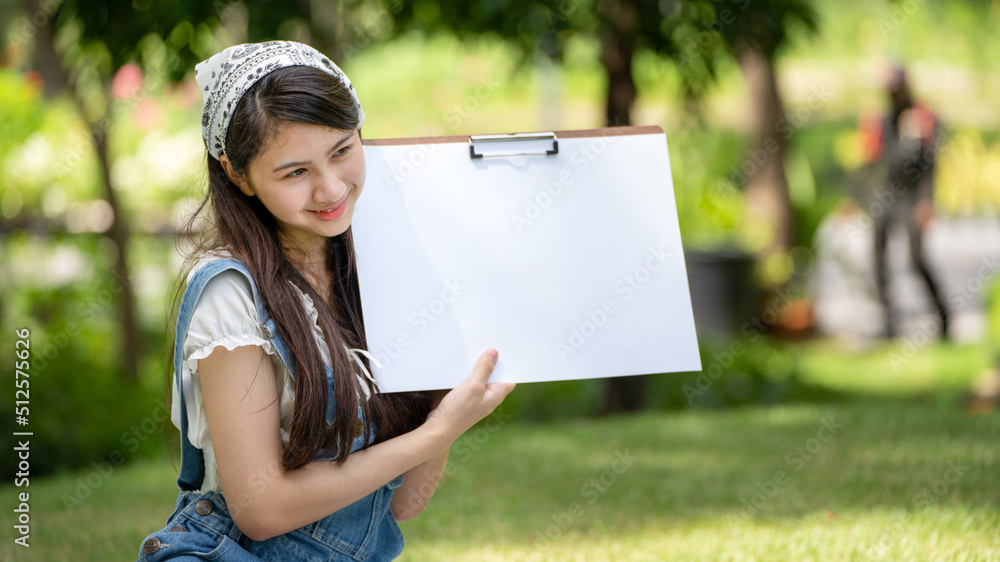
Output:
(309, 178)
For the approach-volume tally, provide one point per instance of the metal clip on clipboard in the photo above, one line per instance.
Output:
(513, 137)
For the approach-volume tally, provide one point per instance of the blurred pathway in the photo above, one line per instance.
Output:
(963, 253)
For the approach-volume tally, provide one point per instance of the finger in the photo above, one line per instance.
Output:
(484, 367)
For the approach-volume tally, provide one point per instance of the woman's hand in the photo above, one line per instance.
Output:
(470, 401)
(266, 500)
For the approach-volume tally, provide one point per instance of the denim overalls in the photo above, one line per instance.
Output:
(201, 528)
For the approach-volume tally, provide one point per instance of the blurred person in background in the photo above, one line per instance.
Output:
(901, 149)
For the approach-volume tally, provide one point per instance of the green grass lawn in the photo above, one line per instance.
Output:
(893, 368)
(872, 477)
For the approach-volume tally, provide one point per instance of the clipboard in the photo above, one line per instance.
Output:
(560, 249)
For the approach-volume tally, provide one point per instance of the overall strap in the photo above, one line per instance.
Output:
(192, 471)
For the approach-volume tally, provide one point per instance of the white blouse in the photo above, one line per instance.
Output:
(225, 315)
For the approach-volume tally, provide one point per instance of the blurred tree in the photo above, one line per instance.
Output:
(753, 33)
(167, 39)
(545, 26)
(695, 34)
(79, 47)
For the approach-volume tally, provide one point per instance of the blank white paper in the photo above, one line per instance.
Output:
(570, 265)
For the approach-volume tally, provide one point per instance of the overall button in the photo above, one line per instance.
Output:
(203, 507)
(151, 545)
(178, 529)
(359, 429)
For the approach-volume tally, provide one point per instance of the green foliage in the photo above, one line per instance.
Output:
(967, 173)
(554, 400)
(709, 201)
(83, 409)
(49, 165)
(992, 298)
(764, 25)
(764, 372)
(23, 110)
(548, 26)
(37, 148)
(112, 34)
(754, 370)
(83, 412)
(817, 176)
(544, 25)
(707, 175)
(757, 370)
(939, 33)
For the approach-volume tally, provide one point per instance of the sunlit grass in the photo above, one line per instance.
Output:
(896, 367)
(896, 481)
(877, 477)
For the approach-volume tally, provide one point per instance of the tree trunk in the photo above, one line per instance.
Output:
(130, 340)
(119, 235)
(619, 30)
(767, 198)
(325, 20)
(46, 60)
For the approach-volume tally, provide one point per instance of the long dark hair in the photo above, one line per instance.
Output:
(243, 226)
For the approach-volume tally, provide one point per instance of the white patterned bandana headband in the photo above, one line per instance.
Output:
(226, 76)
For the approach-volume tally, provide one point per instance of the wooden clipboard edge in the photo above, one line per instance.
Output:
(572, 134)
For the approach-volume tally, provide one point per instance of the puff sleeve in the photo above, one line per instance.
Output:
(225, 315)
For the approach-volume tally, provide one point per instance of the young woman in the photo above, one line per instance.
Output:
(289, 449)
